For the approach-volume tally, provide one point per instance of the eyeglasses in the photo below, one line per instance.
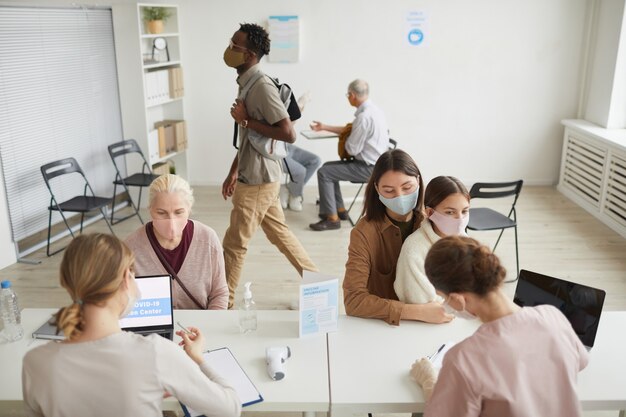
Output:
(348, 94)
(232, 45)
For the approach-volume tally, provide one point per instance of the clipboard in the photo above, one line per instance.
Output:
(224, 363)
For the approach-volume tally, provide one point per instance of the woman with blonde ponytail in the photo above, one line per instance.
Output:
(520, 361)
(99, 370)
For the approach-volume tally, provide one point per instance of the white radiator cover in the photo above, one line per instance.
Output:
(593, 171)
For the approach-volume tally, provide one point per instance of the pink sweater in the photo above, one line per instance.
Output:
(524, 364)
(202, 271)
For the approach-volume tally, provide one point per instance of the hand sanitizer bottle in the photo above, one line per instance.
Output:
(247, 311)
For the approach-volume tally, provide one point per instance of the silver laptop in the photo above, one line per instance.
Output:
(152, 314)
(582, 305)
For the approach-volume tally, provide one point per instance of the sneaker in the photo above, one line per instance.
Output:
(325, 225)
(283, 195)
(295, 203)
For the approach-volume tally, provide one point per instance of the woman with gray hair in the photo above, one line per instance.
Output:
(186, 249)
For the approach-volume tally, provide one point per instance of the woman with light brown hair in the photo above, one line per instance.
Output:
(99, 370)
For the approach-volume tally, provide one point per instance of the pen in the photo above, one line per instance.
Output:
(186, 330)
(434, 355)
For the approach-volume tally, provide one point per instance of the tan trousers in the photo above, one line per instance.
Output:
(254, 206)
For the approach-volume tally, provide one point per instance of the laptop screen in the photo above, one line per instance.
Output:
(582, 305)
(155, 306)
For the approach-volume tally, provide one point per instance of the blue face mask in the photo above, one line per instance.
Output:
(402, 204)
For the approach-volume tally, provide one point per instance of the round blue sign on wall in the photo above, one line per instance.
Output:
(416, 36)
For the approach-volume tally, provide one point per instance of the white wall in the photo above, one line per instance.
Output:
(603, 60)
(481, 101)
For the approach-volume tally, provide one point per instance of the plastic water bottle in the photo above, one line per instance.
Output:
(10, 314)
(247, 312)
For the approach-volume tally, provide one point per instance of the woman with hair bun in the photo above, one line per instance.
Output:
(520, 361)
(99, 370)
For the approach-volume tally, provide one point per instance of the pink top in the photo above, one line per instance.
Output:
(202, 271)
(524, 364)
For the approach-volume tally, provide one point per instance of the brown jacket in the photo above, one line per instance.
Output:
(371, 271)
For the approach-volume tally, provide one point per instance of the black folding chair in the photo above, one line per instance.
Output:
(80, 204)
(482, 218)
(141, 179)
(392, 145)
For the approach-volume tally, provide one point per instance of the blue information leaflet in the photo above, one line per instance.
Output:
(318, 304)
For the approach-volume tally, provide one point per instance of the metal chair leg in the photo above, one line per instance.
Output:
(113, 203)
(104, 217)
(516, 259)
(352, 204)
(497, 241)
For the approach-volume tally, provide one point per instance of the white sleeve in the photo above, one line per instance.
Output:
(195, 386)
(30, 406)
(358, 135)
(412, 285)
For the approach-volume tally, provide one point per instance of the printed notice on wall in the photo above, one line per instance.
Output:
(416, 33)
(318, 303)
(284, 34)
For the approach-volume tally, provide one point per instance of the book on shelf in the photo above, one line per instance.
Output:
(157, 87)
(172, 136)
(177, 88)
(153, 145)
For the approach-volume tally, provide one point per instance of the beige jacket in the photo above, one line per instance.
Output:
(371, 270)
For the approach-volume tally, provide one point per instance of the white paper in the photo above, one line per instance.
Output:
(437, 358)
(224, 363)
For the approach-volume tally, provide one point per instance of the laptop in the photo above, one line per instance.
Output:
(152, 314)
(581, 305)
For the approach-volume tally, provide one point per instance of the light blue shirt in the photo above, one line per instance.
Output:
(370, 136)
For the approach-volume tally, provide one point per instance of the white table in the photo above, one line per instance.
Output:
(369, 364)
(305, 387)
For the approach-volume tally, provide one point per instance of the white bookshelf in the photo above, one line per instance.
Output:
(134, 45)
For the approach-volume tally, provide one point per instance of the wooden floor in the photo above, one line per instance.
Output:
(556, 237)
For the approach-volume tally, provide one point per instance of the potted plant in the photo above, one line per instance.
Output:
(155, 16)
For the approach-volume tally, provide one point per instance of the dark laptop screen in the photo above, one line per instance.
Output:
(155, 307)
(581, 305)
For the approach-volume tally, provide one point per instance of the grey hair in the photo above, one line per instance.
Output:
(360, 88)
(170, 183)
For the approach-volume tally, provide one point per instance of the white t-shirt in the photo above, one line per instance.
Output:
(524, 364)
(123, 374)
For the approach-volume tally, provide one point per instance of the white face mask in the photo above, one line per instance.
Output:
(448, 225)
(463, 314)
(132, 299)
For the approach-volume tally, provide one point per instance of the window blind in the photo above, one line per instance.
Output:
(58, 98)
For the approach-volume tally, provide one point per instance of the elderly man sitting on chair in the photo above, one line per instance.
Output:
(367, 140)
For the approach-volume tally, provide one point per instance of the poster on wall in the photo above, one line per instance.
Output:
(284, 34)
(416, 33)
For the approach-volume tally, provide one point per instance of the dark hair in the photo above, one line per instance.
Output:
(439, 188)
(258, 41)
(462, 264)
(392, 160)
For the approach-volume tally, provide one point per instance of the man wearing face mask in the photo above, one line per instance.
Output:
(253, 181)
(368, 139)
(186, 249)
(447, 210)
